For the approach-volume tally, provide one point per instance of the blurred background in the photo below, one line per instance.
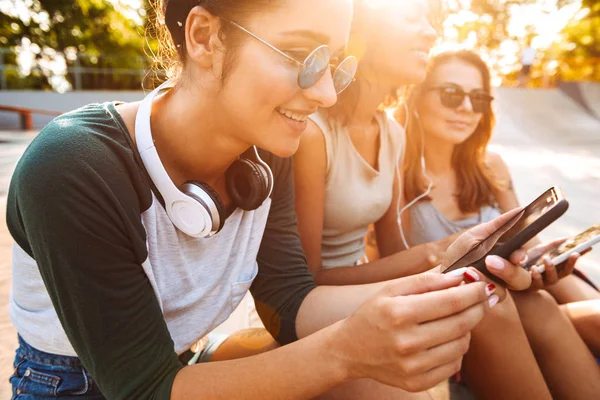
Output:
(66, 45)
(57, 55)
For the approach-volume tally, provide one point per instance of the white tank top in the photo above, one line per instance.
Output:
(356, 194)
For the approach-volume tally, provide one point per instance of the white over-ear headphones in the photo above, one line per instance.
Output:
(423, 169)
(195, 208)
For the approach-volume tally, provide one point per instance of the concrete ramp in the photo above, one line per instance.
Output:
(547, 139)
(586, 94)
(547, 117)
(590, 92)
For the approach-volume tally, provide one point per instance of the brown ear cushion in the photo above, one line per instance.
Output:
(247, 184)
(215, 198)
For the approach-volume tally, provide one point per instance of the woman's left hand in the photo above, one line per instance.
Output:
(515, 275)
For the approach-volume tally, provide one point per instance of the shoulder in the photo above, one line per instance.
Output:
(85, 150)
(91, 134)
(396, 135)
(313, 139)
(396, 130)
(496, 164)
(499, 172)
(313, 148)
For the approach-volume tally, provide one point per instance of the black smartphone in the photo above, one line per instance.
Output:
(520, 229)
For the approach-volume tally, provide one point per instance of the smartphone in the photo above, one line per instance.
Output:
(576, 244)
(520, 229)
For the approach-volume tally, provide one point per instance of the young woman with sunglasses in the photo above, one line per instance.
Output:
(346, 179)
(139, 227)
(460, 183)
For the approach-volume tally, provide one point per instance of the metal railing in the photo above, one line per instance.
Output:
(86, 72)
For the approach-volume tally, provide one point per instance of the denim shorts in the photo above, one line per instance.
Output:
(39, 375)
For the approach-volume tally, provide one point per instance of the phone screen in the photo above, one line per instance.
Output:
(575, 241)
(510, 229)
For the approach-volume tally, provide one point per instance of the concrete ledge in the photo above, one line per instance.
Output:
(53, 101)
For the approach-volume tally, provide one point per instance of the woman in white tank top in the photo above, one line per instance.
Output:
(346, 179)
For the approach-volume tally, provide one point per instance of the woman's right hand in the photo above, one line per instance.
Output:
(414, 332)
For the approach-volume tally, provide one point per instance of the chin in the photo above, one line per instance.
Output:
(284, 149)
(458, 138)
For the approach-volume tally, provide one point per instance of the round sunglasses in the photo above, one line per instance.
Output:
(453, 97)
(316, 64)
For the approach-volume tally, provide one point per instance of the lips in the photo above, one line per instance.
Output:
(459, 124)
(422, 52)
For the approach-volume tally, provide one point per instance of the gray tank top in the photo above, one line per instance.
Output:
(356, 194)
(428, 224)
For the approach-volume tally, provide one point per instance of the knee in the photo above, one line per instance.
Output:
(537, 305)
(594, 322)
(501, 317)
(586, 314)
(540, 313)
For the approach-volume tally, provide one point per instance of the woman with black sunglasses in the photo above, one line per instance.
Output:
(452, 182)
(140, 226)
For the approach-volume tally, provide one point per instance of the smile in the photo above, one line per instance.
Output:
(293, 115)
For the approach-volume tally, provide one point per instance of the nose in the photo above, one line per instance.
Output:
(466, 104)
(322, 92)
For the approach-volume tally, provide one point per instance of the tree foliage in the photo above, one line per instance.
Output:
(74, 33)
(581, 45)
(52, 39)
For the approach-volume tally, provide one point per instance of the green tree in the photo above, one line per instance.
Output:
(581, 45)
(78, 34)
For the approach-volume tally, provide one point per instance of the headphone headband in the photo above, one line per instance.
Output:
(194, 215)
(195, 208)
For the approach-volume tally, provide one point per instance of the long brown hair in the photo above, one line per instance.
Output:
(476, 181)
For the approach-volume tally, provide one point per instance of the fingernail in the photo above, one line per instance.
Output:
(547, 260)
(540, 269)
(494, 262)
(470, 276)
(524, 261)
(493, 300)
(489, 289)
(457, 272)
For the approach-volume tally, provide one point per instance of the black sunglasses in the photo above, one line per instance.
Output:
(453, 97)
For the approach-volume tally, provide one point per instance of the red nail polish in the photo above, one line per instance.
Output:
(468, 278)
(489, 289)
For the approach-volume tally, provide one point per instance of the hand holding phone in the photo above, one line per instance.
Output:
(516, 232)
(577, 244)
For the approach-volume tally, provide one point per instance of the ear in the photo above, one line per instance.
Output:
(202, 37)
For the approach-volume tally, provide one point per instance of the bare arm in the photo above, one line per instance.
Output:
(310, 168)
(270, 375)
(387, 229)
(414, 331)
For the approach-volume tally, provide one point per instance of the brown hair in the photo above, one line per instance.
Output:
(168, 28)
(476, 181)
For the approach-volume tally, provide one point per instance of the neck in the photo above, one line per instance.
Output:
(373, 91)
(438, 155)
(192, 141)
